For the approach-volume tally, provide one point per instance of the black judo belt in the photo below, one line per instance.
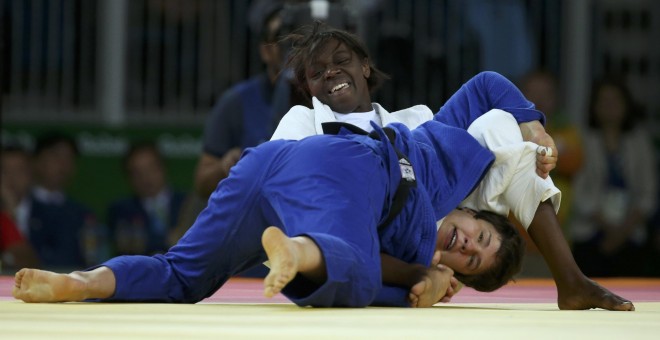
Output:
(407, 181)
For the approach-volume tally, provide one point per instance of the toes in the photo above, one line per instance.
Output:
(419, 288)
(622, 306)
(414, 300)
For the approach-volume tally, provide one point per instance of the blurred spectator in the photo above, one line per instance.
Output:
(142, 224)
(63, 232)
(505, 40)
(540, 87)
(616, 189)
(244, 114)
(15, 181)
(16, 185)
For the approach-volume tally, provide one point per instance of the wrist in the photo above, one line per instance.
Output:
(531, 129)
(416, 273)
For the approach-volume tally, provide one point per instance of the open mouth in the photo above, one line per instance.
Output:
(452, 239)
(338, 88)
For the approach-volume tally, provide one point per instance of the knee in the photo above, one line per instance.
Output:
(489, 77)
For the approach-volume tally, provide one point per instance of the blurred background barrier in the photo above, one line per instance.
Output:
(122, 62)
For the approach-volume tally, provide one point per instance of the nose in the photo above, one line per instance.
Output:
(331, 72)
(468, 247)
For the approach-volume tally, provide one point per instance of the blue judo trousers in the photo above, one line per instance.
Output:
(336, 190)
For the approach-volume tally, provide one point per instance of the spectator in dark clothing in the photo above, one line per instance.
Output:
(142, 223)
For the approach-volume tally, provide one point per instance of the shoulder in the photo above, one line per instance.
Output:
(178, 197)
(495, 128)
(639, 133)
(124, 204)
(412, 116)
(298, 114)
(231, 99)
(299, 111)
(74, 205)
(298, 123)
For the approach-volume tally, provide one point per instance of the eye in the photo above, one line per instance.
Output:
(344, 61)
(315, 74)
(481, 237)
(470, 261)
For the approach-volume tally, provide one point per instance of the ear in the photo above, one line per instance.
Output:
(268, 52)
(366, 68)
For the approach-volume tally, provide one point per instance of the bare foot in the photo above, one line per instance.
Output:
(283, 256)
(419, 294)
(431, 287)
(33, 285)
(589, 294)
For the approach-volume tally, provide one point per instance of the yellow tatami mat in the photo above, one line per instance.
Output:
(220, 318)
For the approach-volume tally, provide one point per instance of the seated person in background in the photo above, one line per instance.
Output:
(59, 226)
(244, 115)
(15, 183)
(140, 224)
(16, 180)
(15, 251)
(616, 187)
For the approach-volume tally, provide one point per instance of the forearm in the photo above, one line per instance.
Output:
(482, 93)
(399, 273)
(531, 130)
(212, 169)
(207, 178)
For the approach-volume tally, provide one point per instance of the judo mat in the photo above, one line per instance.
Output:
(526, 309)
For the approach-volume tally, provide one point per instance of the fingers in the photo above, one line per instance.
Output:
(414, 300)
(445, 269)
(448, 294)
(459, 285)
(546, 160)
(436, 258)
(454, 286)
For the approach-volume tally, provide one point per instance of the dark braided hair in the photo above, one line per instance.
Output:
(307, 42)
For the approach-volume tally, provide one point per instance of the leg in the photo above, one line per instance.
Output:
(575, 290)
(33, 285)
(288, 257)
(337, 204)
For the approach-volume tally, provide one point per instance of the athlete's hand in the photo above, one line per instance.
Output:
(546, 159)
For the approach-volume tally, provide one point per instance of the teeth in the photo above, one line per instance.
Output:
(339, 87)
(453, 239)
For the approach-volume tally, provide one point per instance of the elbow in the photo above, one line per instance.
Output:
(202, 187)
